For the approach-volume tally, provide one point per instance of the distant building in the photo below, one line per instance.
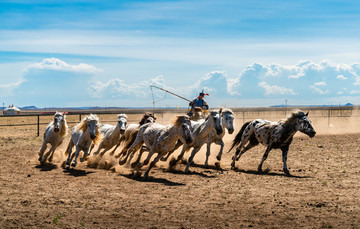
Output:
(11, 110)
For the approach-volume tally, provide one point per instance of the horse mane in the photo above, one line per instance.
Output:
(213, 112)
(294, 115)
(145, 116)
(180, 119)
(227, 111)
(122, 116)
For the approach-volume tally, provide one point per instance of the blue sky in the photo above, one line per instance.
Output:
(243, 53)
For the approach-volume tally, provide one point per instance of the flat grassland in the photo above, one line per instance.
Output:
(323, 191)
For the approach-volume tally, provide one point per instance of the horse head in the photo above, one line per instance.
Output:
(215, 117)
(147, 118)
(228, 120)
(58, 120)
(183, 123)
(91, 124)
(122, 121)
(304, 124)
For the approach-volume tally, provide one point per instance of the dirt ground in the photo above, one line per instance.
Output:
(323, 191)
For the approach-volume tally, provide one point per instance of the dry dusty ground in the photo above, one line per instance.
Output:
(322, 193)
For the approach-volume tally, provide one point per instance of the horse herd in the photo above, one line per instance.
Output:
(163, 140)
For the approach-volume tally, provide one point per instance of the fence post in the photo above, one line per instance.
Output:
(38, 125)
(79, 117)
(329, 114)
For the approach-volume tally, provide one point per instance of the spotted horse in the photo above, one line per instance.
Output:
(274, 135)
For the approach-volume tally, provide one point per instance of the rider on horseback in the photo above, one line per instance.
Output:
(198, 103)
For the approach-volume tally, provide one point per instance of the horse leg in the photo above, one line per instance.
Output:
(42, 161)
(208, 145)
(221, 143)
(91, 148)
(178, 144)
(137, 162)
(195, 150)
(267, 151)
(122, 138)
(42, 150)
(173, 162)
(156, 159)
(52, 154)
(285, 150)
(86, 154)
(76, 154)
(240, 152)
(98, 149)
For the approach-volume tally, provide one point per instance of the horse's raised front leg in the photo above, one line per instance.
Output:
(195, 150)
(156, 159)
(267, 151)
(42, 161)
(137, 162)
(173, 162)
(165, 157)
(99, 148)
(52, 154)
(122, 138)
(285, 150)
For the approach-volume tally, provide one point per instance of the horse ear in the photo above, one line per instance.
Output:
(307, 113)
(220, 110)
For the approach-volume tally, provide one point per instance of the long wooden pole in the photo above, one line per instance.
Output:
(170, 93)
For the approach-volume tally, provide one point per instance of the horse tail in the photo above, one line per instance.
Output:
(237, 138)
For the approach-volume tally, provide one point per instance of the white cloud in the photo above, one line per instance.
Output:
(117, 88)
(319, 91)
(59, 65)
(341, 77)
(322, 83)
(276, 90)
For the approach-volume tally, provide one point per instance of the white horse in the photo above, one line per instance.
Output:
(200, 132)
(54, 135)
(227, 117)
(130, 133)
(160, 139)
(82, 136)
(111, 135)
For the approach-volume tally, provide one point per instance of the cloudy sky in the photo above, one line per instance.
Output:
(243, 53)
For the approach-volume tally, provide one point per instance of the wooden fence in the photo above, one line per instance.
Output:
(327, 116)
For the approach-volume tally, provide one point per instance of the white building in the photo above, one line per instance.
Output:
(11, 110)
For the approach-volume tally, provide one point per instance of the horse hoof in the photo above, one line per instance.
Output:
(287, 173)
(73, 164)
(187, 171)
(218, 158)
(67, 166)
(135, 165)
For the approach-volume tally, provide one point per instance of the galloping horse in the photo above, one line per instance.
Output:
(82, 136)
(160, 139)
(274, 135)
(54, 135)
(200, 131)
(111, 135)
(130, 133)
(227, 117)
